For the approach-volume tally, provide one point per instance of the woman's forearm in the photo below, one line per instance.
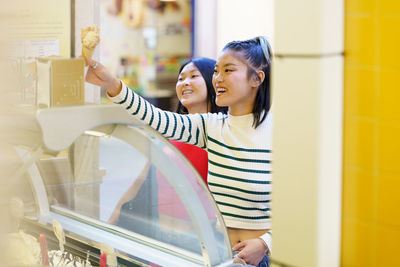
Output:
(115, 88)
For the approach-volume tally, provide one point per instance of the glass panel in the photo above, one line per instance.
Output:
(128, 177)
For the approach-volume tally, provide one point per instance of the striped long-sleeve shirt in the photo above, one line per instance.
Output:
(239, 157)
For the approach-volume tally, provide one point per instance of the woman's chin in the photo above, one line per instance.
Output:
(220, 102)
(184, 102)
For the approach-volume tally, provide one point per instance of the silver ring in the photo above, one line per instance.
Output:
(95, 65)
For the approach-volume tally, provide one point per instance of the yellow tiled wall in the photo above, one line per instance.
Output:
(371, 167)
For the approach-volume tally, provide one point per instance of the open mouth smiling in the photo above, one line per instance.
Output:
(187, 92)
(220, 90)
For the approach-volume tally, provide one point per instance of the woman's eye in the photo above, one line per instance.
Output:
(228, 70)
(215, 71)
(180, 79)
(195, 75)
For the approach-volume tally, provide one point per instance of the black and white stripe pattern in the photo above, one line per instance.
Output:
(240, 180)
(239, 167)
(185, 128)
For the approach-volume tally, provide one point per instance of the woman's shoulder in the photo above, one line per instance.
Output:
(209, 118)
(210, 115)
(267, 120)
(217, 117)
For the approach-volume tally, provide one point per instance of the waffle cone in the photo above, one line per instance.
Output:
(87, 54)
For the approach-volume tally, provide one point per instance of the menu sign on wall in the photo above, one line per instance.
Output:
(37, 28)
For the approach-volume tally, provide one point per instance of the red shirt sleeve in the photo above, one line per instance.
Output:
(196, 155)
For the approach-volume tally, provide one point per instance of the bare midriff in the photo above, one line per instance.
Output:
(237, 235)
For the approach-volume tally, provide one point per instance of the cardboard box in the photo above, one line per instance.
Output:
(59, 81)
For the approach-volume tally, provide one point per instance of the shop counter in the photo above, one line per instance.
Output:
(111, 182)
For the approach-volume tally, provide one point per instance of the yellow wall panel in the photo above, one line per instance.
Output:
(358, 244)
(389, 148)
(389, 200)
(358, 44)
(389, 94)
(389, 6)
(360, 137)
(360, 97)
(358, 194)
(389, 30)
(360, 6)
(387, 247)
(371, 147)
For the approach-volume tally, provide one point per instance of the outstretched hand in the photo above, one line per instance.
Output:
(252, 251)
(99, 75)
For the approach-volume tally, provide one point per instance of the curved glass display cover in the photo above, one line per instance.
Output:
(124, 185)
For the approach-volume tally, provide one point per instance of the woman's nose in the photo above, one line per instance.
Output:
(218, 77)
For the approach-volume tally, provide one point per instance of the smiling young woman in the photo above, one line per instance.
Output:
(191, 89)
(233, 87)
(194, 86)
(238, 144)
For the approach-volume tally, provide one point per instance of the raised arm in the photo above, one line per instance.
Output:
(99, 75)
(184, 128)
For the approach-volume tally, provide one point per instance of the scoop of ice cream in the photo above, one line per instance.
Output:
(66, 259)
(91, 40)
(90, 36)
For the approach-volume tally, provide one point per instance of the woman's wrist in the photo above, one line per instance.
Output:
(263, 243)
(115, 88)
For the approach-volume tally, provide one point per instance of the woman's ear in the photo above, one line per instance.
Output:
(257, 78)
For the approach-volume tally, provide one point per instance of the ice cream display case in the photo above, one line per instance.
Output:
(102, 182)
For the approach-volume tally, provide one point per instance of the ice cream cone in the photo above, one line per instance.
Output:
(90, 39)
(87, 54)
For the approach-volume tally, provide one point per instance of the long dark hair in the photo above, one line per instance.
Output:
(257, 55)
(206, 67)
